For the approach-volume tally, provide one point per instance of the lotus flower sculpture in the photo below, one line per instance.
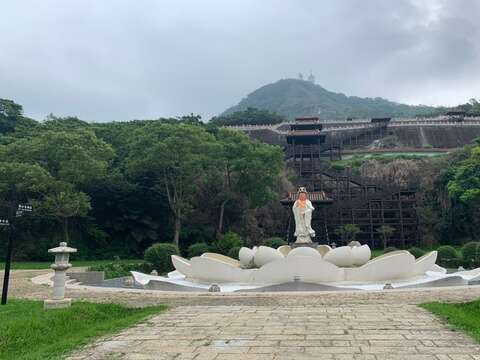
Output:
(265, 265)
(343, 267)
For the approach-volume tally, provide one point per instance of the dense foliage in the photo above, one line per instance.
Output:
(389, 249)
(347, 232)
(450, 212)
(417, 252)
(471, 254)
(250, 116)
(198, 249)
(227, 242)
(447, 256)
(159, 256)
(116, 188)
(470, 108)
(274, 242)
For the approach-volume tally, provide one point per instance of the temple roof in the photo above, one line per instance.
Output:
(314, 197)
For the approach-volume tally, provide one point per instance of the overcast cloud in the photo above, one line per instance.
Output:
(130, 59)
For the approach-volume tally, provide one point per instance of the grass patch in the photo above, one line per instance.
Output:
(35, 265)
(463, 316)
(28, 332)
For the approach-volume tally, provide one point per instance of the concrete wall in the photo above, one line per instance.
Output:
(442, 136)
(437, 136)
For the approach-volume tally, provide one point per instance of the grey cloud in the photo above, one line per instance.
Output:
(118, 60)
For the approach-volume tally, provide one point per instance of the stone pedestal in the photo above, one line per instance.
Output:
(61, 265)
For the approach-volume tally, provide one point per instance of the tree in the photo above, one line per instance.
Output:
(386, 233)
(78, 157)
(464, 186)
(26, 180)
(347, 232)
(10, 113)
(466, 182)
(428, 218)
(173, 160)
(65, 205)
(245, 168)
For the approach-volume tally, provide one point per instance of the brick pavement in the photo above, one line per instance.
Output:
(278, 326)
(363, 331)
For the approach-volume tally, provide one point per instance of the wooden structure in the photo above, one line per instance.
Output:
(306, 145)
(342, 198)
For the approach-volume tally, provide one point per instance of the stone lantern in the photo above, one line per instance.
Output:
(61, 265)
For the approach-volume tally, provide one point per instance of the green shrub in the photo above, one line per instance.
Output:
(274, 242)
(159, 255)
(233, 253)
(228, 241)
(198, 249)
(389, 249)
(447, 256)
(119, 269)
(417, 252)
(471, 254)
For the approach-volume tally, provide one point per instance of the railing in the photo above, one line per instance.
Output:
(366, 124)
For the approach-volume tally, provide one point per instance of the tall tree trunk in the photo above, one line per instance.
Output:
(178, 227)
(220, 219)
(65, 230)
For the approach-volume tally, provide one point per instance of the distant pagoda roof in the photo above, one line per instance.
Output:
(316, 197)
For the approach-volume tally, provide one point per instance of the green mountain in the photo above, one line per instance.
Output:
(293, 98)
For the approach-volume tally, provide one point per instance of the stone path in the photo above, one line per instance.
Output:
(369, 332)
(279, 326)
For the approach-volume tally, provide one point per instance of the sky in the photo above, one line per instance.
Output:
(104, 60)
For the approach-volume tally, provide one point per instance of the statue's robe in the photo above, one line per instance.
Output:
(303, 220)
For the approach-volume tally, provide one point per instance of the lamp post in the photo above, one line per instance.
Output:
(16, 210)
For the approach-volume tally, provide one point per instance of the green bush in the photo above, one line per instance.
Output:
(274, 242)
(228, 241)
(120, 269)
(447, 256)
(233, 253)
(159, 255)
(389, 249)
(417, 252)
(471, 254)
(198, 249)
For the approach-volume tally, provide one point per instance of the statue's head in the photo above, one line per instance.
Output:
(302, 193)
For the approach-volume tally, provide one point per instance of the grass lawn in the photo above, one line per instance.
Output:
(29, 332)
(46, 265)
(464, 316)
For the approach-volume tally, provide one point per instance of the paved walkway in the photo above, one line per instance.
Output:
(278, 326)
(292, 332)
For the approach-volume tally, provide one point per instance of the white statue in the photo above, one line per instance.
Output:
(302, 211)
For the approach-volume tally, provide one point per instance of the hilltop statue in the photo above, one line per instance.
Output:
(302, 211)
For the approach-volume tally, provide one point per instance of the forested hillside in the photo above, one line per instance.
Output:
(292, 98)
(113, 189)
